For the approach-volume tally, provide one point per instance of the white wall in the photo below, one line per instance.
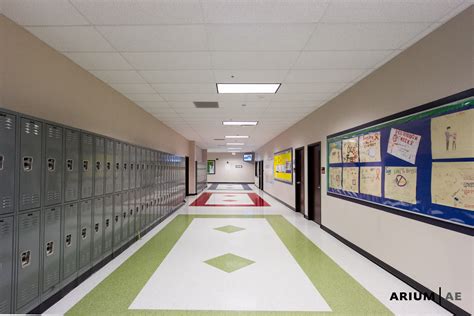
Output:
(439, 65)
(226, 170)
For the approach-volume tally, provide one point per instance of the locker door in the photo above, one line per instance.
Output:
(86, 165)
(53, 165)
(117, 220)
(6, 264)
(28, 259)
(125, 215)
(137, 211)
(126, 167)
(7, 163)
(143, 210)
(147, 167)
(85, 233)
(109, 166)
(51, 224)
(70, 234)
(108, 222)
(30, 164)
(138, 167)
(118, 167)
(133, 167)
(71, 166)
(131, 214)
(99, 166)
(97, 229)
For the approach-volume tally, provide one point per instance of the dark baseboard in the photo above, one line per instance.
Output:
(456, 310)
(287, 205)
(73, 284)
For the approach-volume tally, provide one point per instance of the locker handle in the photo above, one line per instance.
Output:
(124, 214)
(97, 165)
(2, 159)
(116, 218)
(68, 240)
(107, 222)
(124, 166)
(96, 227)
(131, 211)
(108, 165)
(27, 163)
(51, 164)
(131, 166)
(84, 233)
(137, 209)
(25, 258)
(49, 248)
(117, 166)
(69, 164)
(85, 165)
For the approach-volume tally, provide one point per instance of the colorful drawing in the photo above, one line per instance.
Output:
(403, 145)
(350, 150)
(335, 152)
(400, 184)
(350, 179)
(369, 147)
(283, 166)
(371, 181)
(452, 184)
(452, 135)
(335, 178)
(211, 167)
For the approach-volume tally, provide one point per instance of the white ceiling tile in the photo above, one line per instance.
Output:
(99, 61)
(275, 11)
(185, 88)
(363, 36)
(44, 12)
(388, 11)
(190, 97)
(156, 37)
(140, 12)
(301, 96)
(153, 104)
(132, 88)
(340, 59)
(310, 87)
(259, 37)
(253, 76)
(169, 60)
(178, 76)
(253, 60)
(71, 38)
(144, 97)
(118, 76)
(323, 75)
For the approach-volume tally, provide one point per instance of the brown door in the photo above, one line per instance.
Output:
(299, 178)
(260, 175)
(314, 182)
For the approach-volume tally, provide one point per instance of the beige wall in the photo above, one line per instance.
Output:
(37, 80)
(226, 170)
(439, 65)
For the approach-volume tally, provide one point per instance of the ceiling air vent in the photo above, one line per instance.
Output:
(206, 105)
(219, 138)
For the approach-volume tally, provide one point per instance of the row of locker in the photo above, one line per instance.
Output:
(54, 164)
(201, 176)
(70, 199)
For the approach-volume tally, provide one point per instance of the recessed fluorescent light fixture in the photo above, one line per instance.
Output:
(248, 87)
(235, 144)
(240, 123)
(231, 149)
(236, 136)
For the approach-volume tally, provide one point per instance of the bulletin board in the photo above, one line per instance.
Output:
(420, 161)
(283, 166)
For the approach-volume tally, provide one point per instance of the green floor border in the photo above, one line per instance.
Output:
(115, 293)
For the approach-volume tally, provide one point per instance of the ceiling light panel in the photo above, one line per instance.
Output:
(240, 123)
(236, 136)
(247, 87)
(235, 144)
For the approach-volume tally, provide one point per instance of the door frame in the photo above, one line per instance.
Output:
(311, 199)
(301, 186)
(187, 175)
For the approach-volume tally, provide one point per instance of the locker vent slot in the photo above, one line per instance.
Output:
(30, 199)
(96, 227)
(53, 195)
(70, 164)
(49, 248)
(7, 122)
(68, 240)
(54, 132)
(25, 258)
(85, 165)
(27, 163)
(7, 202)
(72, 137)
(32, 128)
(84, 233)
(4, 307)
(5, 229)
(51, 164)
(2, 160)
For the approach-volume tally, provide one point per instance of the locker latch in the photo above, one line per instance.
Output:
(84, 233)
(124, 214)
(131, 211)
(124, 166)
(97, 165)
(68, 240)
(1, 162)
(107, 222)
(108, 165)
(27, 164)
(116, 218)
(85, 165)
(131, 166)
(51, 164)
(69, 164)
(96, 227)
(25, 258)
(49, 248)
(117, 166)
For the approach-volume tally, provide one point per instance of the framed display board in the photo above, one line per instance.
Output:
(419, 161)
(211, 167)
(283, 166)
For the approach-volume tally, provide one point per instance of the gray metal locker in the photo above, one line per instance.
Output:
(7, 164)
(85, 233)
(143, 209)
(126, 167)
(108, 223)
(131, 214)
(109, 166)
(6, 264)
(28, 260)
(146, 159)
(125, 215)
(70, 237)
(117, 220)
(138, 212)
(133, 167)
(71, 165)
(99, 166)
(97, 229)
(118, 167)
(86, 165)
(138, 163)
(51, 223)
(30, 164)
(53, 172)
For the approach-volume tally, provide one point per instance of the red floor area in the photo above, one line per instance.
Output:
(204, 198)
